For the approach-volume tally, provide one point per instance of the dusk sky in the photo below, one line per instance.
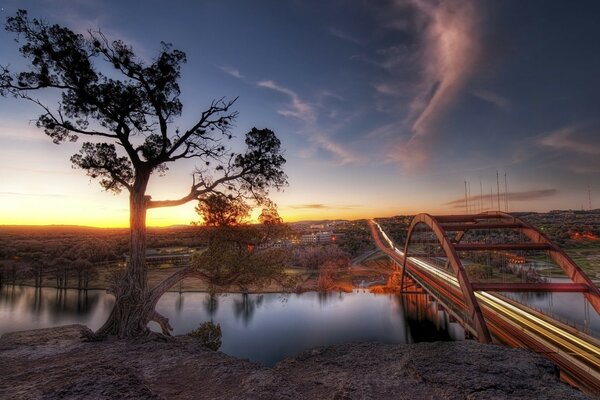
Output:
(382, 107)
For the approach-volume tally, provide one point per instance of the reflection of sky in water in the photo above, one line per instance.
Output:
(566, 307)
(24, 307)
(268, 327)
(261, 327)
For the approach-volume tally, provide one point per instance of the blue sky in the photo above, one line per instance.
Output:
(383, 107)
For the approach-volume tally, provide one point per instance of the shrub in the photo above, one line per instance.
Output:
(208, 334)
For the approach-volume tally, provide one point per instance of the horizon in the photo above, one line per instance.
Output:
(398, 106)
(254, 222)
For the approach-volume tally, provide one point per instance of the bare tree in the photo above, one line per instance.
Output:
(130, 115)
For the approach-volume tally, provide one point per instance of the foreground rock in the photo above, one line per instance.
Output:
(55, 364)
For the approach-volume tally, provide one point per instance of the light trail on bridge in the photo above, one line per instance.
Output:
(576, 354)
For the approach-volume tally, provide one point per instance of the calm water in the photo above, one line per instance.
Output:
(261, 327)
(570, 308)
(269, 327)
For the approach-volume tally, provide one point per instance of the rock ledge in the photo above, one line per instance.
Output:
(54, 363)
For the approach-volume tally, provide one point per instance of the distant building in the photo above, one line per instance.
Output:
(318, 238)
(311, 238)
(154, 258)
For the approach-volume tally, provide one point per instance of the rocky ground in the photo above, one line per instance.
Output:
(55, 364)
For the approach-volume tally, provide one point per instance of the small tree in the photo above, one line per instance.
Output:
(130, 115)
(219, 210)
(239, 254)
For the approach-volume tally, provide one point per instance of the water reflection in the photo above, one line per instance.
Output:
(211, 304)
(427, 321)
(23, 307)
(245, 307)
(269, 327)
(261, 327)
(571, 308)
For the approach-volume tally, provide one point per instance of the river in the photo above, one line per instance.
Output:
(261, 327)
(269, 327)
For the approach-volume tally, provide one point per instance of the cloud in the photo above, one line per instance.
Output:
(575, 138)
(321, 206)
(512, 197)
(448, 57)
(493, 98)
(327, 94)
(31, 194)
(346, 36)
(39, 171)
(82, 16)
(231, 71)
(426, 69)
(23, 131)
(344, 155)
(297, 108)
(307, 114)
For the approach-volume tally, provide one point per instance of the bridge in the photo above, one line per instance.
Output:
(430, 263)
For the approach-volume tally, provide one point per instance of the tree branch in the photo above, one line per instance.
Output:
(216, 107)
(195, 192)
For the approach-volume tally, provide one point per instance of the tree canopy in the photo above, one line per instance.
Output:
(134, 111)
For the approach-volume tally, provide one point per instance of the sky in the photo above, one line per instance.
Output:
(382, 107)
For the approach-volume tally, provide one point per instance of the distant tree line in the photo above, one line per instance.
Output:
(70, 254)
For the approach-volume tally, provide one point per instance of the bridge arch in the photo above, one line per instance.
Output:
(443, 225)
(483, 334)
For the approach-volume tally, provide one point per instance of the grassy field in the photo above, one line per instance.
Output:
(587, 257)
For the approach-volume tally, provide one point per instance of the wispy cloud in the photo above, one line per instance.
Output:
(31, 194)
(297, 108)
(426, 73)
(82, 16)
(575, 138)
(39, 171)
(493, 98)
(231, 71)
(448, 57)
(321, 206)
(305, 112)
(512, 197)
(22, 131)
(340, 34)
(344, 155)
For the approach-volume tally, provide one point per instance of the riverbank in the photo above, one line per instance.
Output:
(305, 281)
(54, 363)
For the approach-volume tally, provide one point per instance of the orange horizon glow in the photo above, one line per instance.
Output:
(185, 214)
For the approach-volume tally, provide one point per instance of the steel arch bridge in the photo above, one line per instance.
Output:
(449, 230)
(480, 307)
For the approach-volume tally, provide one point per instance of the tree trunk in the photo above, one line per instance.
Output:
(129, 317)
(156, 293)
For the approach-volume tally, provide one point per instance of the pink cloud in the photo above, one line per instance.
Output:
(448, 57)
(572, 138)
(493, 98)
(444, 57)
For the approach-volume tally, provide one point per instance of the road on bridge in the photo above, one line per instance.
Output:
(577, 354)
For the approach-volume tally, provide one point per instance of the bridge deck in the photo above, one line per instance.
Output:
(577, 354)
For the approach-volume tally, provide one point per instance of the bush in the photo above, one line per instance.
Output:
(479, 271)
(208, 334)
